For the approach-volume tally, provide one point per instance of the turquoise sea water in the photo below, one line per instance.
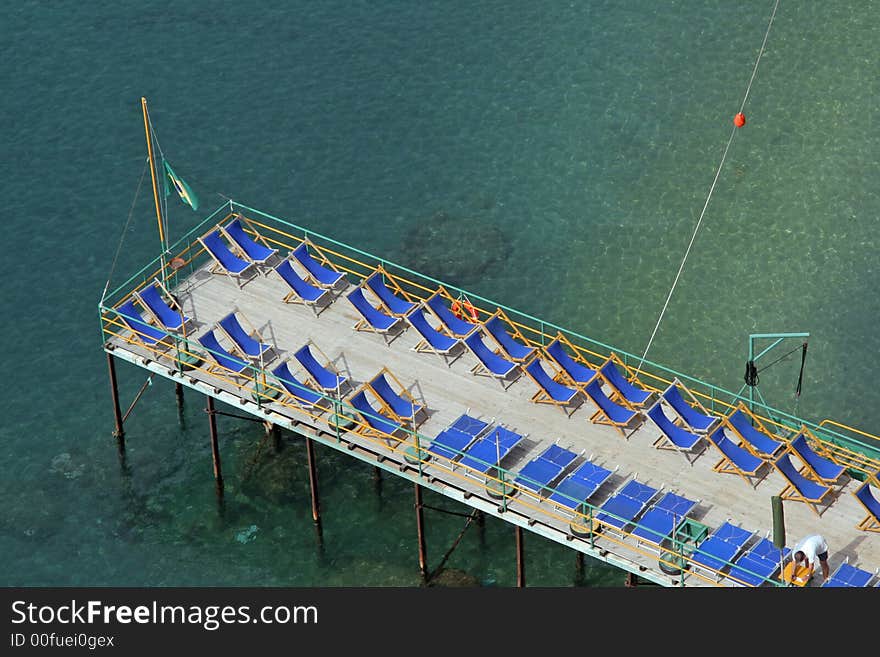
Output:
(577, 139)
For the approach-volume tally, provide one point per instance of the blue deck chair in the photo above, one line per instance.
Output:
(401, 404)
(757, 440)
(221, 357)
(324, 377)
(395, 305)
(247, 344)
(580, 485)
(538, 474)
(847, 575)
(375, 422)
(373, 319)
(459, 328)
(758, 563)
(324, 275)
(297, 390)
(673, 436)
(735, 459)
(225, 260)
(516, 351)
(551, 391)
(147, 334)
(490, 363)
(800, 487)
(823, 469)
(663, 517)
(454, 440)
(610, 412)
(634, 395)
(151, 298)
(696, 420)
(625, 505)
(489, 451)
(721, 547)
(449, 349)
(256, 251)
(577, 371)
(301, 291)
(871, 522)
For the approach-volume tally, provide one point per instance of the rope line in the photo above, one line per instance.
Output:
(711, 191)
(124, 230)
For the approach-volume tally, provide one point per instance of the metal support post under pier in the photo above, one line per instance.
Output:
(118, 432)
(313, 483)
(420, 525)
(178, 392)
(520, 559)
(215, 449)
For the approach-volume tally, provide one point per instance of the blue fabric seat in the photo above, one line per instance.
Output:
(673, 436)
(634, 395)
(301, 289)
(394, 304)
(515, 351)
(244, 341)
(551, 391)
(324, 376)
(735, 459)
(758, 563)
(696, 420)
(373, 319)
(871, 522)
(453, 440)
(490, 363)
(220, 356)
(847, 575)
(256, 251)
(580, 485)
(824, 469)
(296, 389)
(663, 517)
(152, 299)
(761, 443)
(624, 506)
(433, 340)
(489, 451)
(799, 487)
(579, 373)
(720, 548)
(459, 328)
(376, 422)
(539, 473)
(610, 412)
(325, 276)
(146, 333)
(401, 404)
(224, 259)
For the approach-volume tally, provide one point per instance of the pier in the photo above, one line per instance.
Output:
(335, 332)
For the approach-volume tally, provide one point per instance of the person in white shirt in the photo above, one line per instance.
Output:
(812, 549)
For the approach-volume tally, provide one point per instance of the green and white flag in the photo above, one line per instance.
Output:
(183, 190)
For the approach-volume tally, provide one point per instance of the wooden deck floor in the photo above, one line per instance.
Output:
(450, 391)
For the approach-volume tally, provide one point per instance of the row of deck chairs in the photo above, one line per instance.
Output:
(159, 318)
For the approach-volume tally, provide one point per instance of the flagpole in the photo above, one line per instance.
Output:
(155, 186)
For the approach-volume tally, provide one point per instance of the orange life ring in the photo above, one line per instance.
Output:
(460, 309)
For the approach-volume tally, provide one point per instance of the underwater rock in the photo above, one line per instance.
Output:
(458, 250)
(63, 464)
(450, 577)
(247, 535)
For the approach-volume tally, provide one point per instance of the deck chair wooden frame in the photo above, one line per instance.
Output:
(665, 442)
(543, 397)
(421, 408)
(792, 490)
(759, 427)
(319, 304)
(727, 463)
(423, 346)
(630, 376)
(575, 353)
(317, 254)
(171, 302)
(213, 366)
(441, 291)
(679, 384)
(159, 347)
(601, 417)
(266, 356)
(248, 226)
(301, 377)
(390, 334)
(871, 521)
(363, 427)
(393, 286)
(328, 365)
(515, 335)
(816, 446)
(217, 267)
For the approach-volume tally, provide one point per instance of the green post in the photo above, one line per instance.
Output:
(778, 522)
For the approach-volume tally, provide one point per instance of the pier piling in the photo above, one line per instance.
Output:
(215, 448)
(520, 559)
(118, 432)
(313, 482)
(178, 392)
(420, 525)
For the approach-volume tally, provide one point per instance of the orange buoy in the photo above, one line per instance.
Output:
(739, 120)
(177, 263)
(471, 311)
